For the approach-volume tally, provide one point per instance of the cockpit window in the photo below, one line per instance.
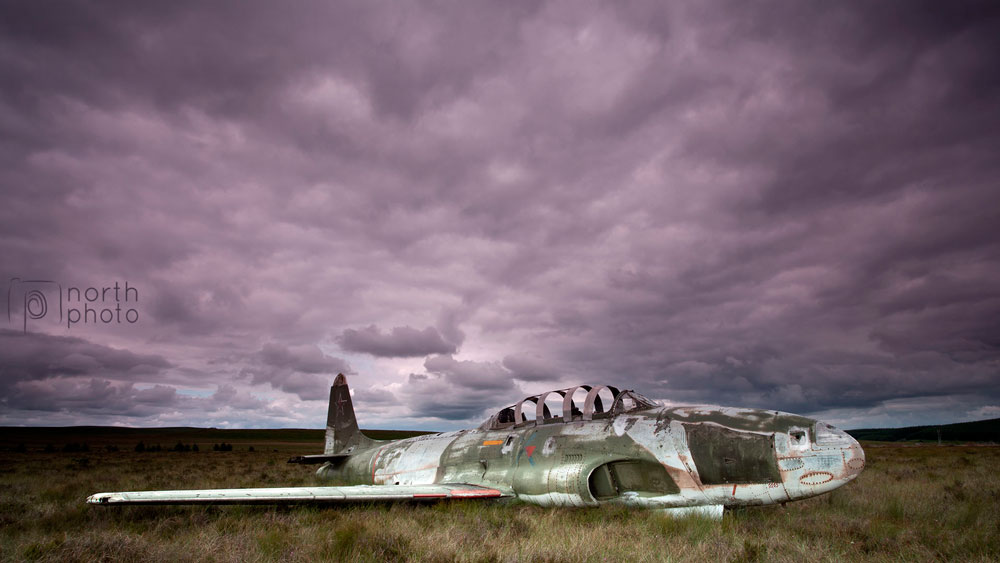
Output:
(502, 419)
(505, 416)
(629, 401)
(798, 438)
(583, 402)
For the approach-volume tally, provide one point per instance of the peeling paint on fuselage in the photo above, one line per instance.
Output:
(552, 463)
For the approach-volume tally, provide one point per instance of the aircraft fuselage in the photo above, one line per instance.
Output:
(661, 457)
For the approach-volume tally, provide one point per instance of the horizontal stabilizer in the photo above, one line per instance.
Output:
(283, 495)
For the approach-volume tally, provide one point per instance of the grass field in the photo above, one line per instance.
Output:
(912, 503)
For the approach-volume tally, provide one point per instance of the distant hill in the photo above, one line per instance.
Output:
(99, 436)
(978, 431)
(38, 436)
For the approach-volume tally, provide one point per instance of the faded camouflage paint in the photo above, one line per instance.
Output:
(682, 460)
(550, 463)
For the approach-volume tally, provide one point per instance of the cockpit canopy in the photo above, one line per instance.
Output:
(590, 406)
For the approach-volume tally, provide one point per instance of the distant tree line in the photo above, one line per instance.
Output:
(182, 447)
(141, 447)
(178, 447)
(71, 448)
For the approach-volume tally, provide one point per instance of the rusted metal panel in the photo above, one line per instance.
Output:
(723, 455)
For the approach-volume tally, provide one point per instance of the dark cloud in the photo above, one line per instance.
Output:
(437, 398)
(767, 205)
(306, 359)
(530, 368)
(474, 375)
(229, 396)
(156, 395)
(35, 356)
(458, 390)
(375, 397)
(401, 342)
(302, 370)
(90, 396)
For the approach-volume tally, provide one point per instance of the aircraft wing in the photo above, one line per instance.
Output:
(283, 495)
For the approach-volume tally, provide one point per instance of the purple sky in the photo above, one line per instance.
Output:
(786, 205)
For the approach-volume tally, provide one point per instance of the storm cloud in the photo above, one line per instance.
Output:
(458, 390)
(302, 370)
(36, 356)
(781, 205)
(401, 342)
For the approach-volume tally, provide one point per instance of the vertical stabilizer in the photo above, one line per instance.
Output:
(342, 434)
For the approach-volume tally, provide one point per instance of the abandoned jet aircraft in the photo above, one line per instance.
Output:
(623, 449)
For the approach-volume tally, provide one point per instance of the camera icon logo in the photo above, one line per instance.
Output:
(33, 300)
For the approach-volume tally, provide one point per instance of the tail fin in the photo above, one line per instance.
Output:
(342, 433)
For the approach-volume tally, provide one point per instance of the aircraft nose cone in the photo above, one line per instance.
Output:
(829, 438)
(854, 460)
(829, 460)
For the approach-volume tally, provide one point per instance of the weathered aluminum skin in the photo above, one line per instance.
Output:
(291, 495)
(680, 459)
(551, 463)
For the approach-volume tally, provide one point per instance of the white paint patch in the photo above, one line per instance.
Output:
(550, 446)
(619, 425)
(508, 445)
(412, 462)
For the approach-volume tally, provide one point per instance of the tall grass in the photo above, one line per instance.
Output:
(911, 504)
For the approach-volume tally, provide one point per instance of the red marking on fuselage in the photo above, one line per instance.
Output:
(529, 450)
(816, 478)
(734, 489)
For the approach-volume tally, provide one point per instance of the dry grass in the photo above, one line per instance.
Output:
(911, 504)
